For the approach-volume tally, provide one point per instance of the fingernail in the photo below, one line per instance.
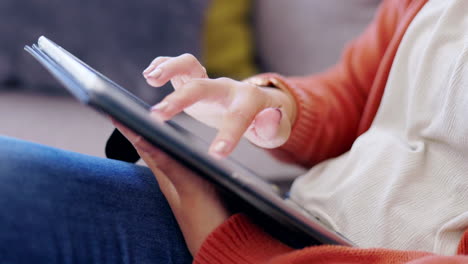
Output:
(151, 67)
(220, 147)
(156, 73)
(160, 107)
(280, 114)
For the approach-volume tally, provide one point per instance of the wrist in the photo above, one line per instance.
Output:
(282, 99)
(279, 92)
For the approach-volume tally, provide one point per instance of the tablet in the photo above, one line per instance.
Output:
(286, 219)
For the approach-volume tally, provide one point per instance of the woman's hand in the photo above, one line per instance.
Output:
(263, 115)
(194, 202)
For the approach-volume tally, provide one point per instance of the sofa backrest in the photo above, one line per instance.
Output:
(296, 37)
(118, 38)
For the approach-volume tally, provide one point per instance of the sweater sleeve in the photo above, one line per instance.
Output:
(238, 241)
(330, 105)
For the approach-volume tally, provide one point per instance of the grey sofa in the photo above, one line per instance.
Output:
(118, 38)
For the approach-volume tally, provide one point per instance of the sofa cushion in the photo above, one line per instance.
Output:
(227, 43)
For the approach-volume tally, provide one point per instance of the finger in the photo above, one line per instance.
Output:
(185, 64)
(153, 157)
(271, 128)
(164, 182)
(155, 63)
(129, 134)
(174, 179)
(137, 141)
(197, 90)
(234, 124)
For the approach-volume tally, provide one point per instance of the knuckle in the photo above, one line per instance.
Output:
(224, 79)
(154, 82)
(254, 96)
(183, 97)
(177, 100)
(189, 58)
(251, 90)
(137, 141)
(157, 59)
(191, 86)
(140, 143)
(188, 55)
(198, 86)
(204, 73)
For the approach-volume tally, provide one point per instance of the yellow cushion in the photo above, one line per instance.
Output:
(227, 40)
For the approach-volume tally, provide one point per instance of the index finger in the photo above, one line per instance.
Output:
(185, 64)
(235, 123)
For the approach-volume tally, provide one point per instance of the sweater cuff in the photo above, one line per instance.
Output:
(238, 240)
(306, 117)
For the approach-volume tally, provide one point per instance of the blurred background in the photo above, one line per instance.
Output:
(233, 38)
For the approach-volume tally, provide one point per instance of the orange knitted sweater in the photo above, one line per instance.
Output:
(334, 108)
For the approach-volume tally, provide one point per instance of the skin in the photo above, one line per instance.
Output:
(262, 115)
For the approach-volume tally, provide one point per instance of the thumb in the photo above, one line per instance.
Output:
(270, 129)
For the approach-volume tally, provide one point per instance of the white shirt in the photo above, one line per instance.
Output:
(404, 183)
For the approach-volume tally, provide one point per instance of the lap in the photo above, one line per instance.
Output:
(61, 207)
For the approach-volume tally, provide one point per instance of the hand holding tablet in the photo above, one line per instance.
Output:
(179, 159)
(194, 201)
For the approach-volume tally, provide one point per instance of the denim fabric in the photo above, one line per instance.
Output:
(63, 207)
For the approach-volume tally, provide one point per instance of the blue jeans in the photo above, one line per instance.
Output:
(63, 207)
